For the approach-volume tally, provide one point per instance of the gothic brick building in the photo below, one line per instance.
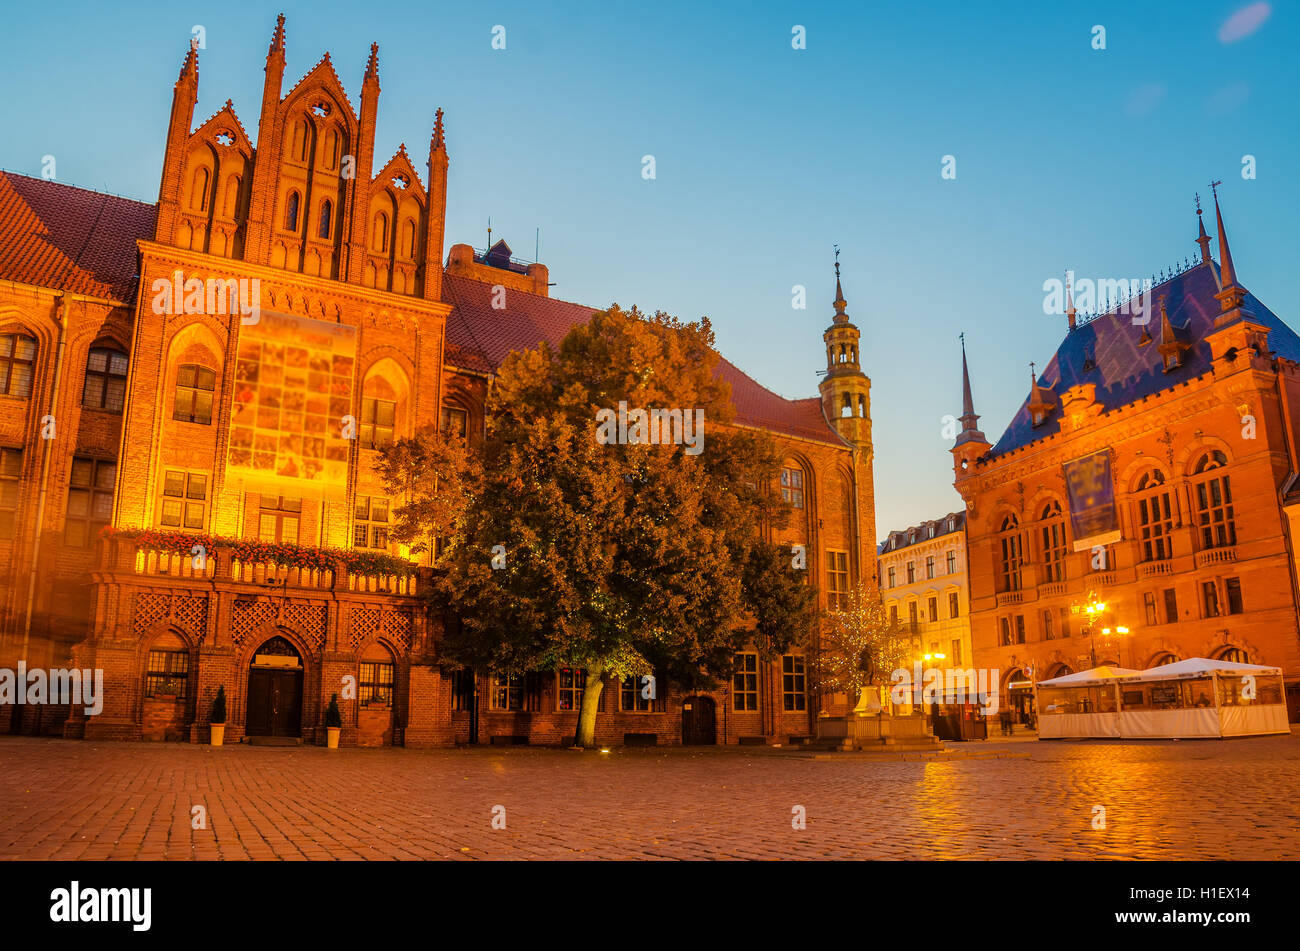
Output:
(1150, 475)
(187, 370)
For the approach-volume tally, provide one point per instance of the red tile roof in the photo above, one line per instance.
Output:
(528, 319)
(54, 235)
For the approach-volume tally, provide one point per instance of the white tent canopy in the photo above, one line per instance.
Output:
(1197, 697)
(1094, 676)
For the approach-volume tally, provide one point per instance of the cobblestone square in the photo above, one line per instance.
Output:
(1032, 800)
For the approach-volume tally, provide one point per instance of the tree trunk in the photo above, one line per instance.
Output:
(590, 700)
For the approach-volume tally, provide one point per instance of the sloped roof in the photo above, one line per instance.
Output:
(75, 240)
(935, 528)
(475, 327)
(1123, 371)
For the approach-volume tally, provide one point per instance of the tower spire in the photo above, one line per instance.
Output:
(840, 315)
(190, 67)
(438, 141)
(277, 38)
(1071, 314)
(1202, 239)
(372, 66)
(1232, 294)
(969, 431)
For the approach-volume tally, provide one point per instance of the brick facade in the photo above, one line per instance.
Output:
(330, 244)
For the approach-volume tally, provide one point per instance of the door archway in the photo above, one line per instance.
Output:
(275, 690)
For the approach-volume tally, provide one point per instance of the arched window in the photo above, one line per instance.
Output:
(1155, 521)
(291, 213)
(17, 364)
(380, 242)
(1234, 655)
(1212, 494)
(1053, 533)
(105, 380)
(376, 680)
(409, 250)
(329, 158)
(231, 206)
(1010, 554)
(199, 196)
(1164, 660)
(194, 388)
(325, 210)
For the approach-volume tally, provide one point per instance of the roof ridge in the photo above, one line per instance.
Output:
(47, 182)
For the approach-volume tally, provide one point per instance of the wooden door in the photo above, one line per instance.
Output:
(274, 702)
(699, 721)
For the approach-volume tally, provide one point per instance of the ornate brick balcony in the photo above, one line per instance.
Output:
(189, 558)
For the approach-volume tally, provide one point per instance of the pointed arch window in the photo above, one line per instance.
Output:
(326, 209)
(291, 213)
(380, 242)
(1212, 495)
(199, 197)
(409, 245)
(1010, 554)
(1154, 510)
(1053, 535)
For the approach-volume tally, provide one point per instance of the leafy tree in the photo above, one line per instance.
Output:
(434, 476)
(625, 559)
(861, 645)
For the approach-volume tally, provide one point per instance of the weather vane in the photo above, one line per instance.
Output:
(837, 259)
(1214, 187)
(1198, 202)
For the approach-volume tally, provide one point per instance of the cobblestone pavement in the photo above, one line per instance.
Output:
(1233, 799)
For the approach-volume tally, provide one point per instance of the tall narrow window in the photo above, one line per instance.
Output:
(370, 526)
(837, 580)
(380, 242)
(377, 421)
(952, 562)
(325, 209)
(194, 389)
(375, 683)
(744, 682)
(1154, 516)
(912, 614)
(507, 691)
(184, 503)
(1065, 622)
(911, 572)
(953, 604)
(932, 605)
(278, 518)
(792, 486)
(17, 364)
(1213, 494)
(105, 380)
(1053, 532)
(199, 198)
(1232, 586)
(291, 213)
(794, 683)
(929, 566)
(1048, 634)
(1149, 604)
(892, 573)
(90, 500)
(1171, 606)
(570, 684)
(11, 467)
(1210, 598)
(1009, 561)
(1020, 628)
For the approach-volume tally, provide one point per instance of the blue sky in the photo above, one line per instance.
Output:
(766, 156)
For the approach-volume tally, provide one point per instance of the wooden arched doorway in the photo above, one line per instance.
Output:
(275, 690)
(699, 721)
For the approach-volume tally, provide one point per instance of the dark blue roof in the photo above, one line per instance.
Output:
(1123, 371)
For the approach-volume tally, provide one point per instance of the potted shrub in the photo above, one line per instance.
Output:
(217, 721)
(333, 722)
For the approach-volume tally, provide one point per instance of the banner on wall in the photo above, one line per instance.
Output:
(293, 387)
(1092, 501)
